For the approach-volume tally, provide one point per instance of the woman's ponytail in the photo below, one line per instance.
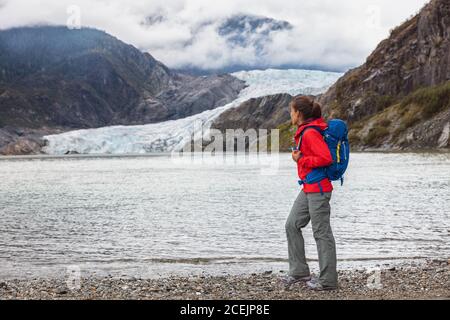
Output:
(308, 107)
(316, 110)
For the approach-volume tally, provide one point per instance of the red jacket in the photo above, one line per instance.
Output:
(315, 154)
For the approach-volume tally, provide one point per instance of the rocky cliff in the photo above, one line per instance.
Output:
(400, 97)
(268, 112)
(53, 79)
(398, 100)
(261, 113)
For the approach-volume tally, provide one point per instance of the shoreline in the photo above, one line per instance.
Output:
(430, 280)
(169, 154)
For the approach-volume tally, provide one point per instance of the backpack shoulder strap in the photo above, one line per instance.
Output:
(304, 131)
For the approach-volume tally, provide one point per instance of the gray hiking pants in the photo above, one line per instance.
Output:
(314, 207)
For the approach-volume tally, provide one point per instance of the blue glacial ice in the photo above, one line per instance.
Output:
(172, 135)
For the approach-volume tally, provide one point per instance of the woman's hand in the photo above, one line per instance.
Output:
(296, 155)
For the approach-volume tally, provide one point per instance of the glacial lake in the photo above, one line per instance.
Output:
(151, 216)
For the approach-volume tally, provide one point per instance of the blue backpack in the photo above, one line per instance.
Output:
(336, 137)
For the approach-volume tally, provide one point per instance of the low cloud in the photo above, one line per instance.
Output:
(326, 34)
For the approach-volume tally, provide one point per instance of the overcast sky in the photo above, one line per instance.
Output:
(329, 34)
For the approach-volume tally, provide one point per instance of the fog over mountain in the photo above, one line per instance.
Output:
(231, 35)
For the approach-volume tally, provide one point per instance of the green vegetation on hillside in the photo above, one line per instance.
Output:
(431, 99)
(287, 132)
(414, 108)
(394, 118)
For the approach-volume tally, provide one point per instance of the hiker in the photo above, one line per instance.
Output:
(313, 202)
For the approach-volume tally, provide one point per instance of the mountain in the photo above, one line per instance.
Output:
(244, 30)
(400, 97)
(398, 100)
(266, 112)
(54, 79)
(248, 110)
(271, 111)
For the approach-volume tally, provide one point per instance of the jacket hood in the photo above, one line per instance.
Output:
(320, 123)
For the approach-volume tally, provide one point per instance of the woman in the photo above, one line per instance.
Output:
(313, 202)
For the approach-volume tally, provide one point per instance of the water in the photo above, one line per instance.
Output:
(151, 216)
(173, 135)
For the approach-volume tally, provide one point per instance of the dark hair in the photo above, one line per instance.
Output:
(307, 106)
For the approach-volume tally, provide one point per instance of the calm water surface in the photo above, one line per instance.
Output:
(153, 216)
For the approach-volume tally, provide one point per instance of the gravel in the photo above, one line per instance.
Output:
(428, 281)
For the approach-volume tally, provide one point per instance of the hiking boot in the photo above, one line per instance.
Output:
(290, 280)
(315, 285)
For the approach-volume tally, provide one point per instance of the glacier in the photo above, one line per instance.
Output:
(172, 135)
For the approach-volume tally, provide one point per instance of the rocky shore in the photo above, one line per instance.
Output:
(425, 281)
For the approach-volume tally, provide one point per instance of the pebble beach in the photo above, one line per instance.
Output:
(430, 280)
